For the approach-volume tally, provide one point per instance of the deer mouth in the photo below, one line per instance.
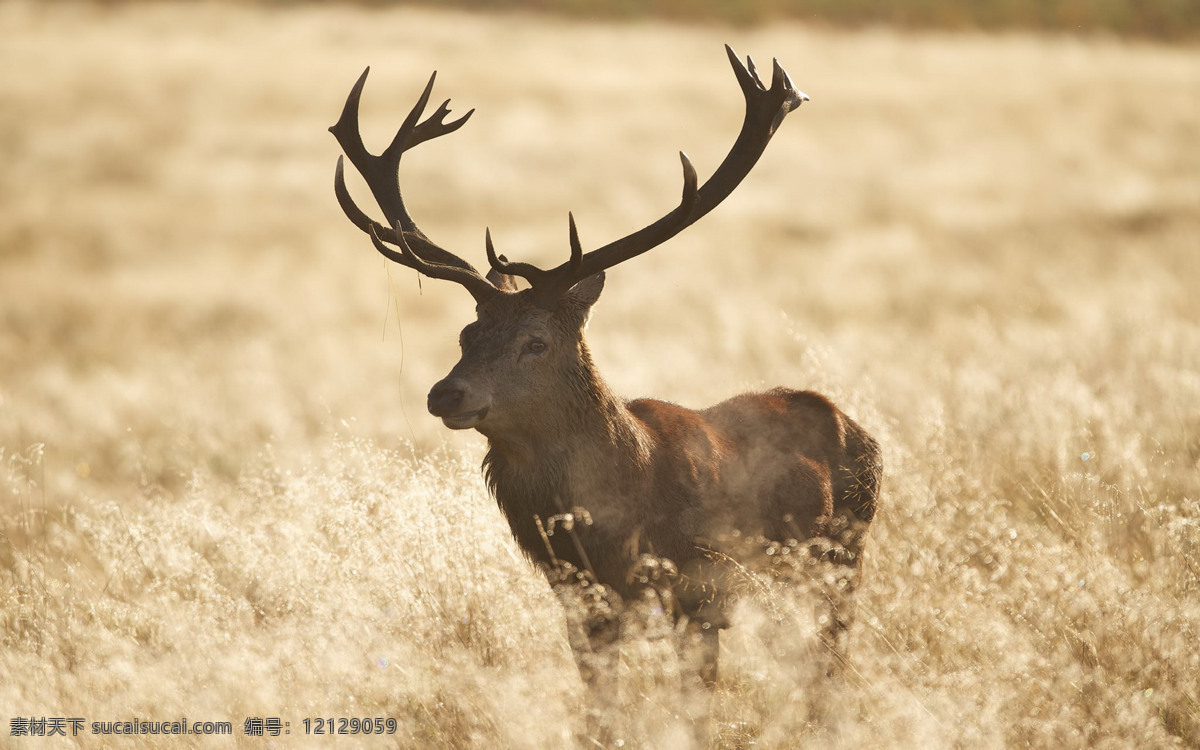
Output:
(464, 420)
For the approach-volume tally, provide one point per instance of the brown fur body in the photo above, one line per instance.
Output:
(675, 482)
(654, 478)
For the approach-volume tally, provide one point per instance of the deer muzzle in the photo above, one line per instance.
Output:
(452, 401)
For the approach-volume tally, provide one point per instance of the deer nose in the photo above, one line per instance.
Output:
(446, 397)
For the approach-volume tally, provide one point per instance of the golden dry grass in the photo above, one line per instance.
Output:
(222, 497)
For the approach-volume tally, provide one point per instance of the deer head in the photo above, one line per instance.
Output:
(525, 352)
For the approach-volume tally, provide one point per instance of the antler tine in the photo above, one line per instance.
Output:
(381, 174)
(502, 265)
(349, 207)
(750, 66)
(346, 129)
(539, 278)
(690, 192)
(413, 133)
(400, 141)
(576, 247)
(765, 110)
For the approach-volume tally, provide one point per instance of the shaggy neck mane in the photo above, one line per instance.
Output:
(580, 430)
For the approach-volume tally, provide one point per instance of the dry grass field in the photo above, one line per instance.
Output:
(221, 497)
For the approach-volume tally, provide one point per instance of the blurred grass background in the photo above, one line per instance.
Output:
(220, 494)
(1153, 19)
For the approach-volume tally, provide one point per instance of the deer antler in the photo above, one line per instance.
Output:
(381, 174)
(765, 110)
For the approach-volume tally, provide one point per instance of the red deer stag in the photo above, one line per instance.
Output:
(654, 478)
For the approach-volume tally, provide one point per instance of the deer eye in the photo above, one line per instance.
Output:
(535, 346)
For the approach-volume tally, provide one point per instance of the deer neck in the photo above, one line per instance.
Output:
(582, 432)
(587, 454)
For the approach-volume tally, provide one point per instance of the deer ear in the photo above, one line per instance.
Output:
(586, 292)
